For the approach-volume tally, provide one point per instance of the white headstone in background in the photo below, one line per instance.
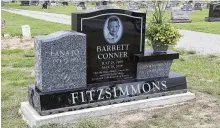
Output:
(79, 8)
(26, 31)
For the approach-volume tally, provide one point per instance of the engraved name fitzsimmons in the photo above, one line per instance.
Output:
(106, 93)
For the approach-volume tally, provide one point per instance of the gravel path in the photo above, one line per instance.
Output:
(52, 17)
(202, 43)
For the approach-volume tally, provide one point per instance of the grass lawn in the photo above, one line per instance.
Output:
(199, 24)
(202, 72)
(38, 27)
(197, 17)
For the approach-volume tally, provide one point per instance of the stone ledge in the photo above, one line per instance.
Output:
(181, 21)
(149, 55)
(33, 119)
(212, 19)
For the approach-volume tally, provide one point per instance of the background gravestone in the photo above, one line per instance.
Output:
(172, 5)
(100, 5)
(149, 6)
(180, 17)
(81, 6)
(35, 2)
(133, 6)
(214, 13)
(26, 31)
(187, 7)
(197, 6)
(60, 61)
(25, 3)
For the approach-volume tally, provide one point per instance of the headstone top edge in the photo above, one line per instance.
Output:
(57, 35)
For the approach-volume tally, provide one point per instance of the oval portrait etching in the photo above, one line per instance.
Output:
(113, 29)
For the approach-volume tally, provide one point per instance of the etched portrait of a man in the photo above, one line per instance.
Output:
(113, 30)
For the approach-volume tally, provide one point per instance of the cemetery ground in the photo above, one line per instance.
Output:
(197, 17)
(203, 77)
(59, 9)
(14, 23)
(202, 73)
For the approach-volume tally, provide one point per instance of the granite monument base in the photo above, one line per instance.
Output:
(33, 119)
(212, 19)
(105, 94)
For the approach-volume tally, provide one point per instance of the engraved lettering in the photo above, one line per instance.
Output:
(100, 95)
(74, 97)
(90, 94)
(164, 86)
(137, 90)
(108, 93)
(143, 87)
(122, 92)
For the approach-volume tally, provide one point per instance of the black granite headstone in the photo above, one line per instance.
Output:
(107, 64)
(214, 13)
(113, 36)
(25, 3)
(65, 3)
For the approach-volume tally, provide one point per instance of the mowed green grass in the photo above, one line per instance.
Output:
(199, 24)
(202, 73)
(197, 17)
(38, 27)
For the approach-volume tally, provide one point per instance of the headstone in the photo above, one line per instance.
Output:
(100, 5)
(197, 6)
(26, 31)
(45, 5)
(133, 6)
(81, 6)
(25, 3)
(214, 13)
(122, 35)
(172, 5)
(142, 4)
(65, 3)
(35, 2)
(105, 2)
(187, 7)
(149, 6)
(60, 61)
(53, 4)
(180, 17)
(103, 63)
